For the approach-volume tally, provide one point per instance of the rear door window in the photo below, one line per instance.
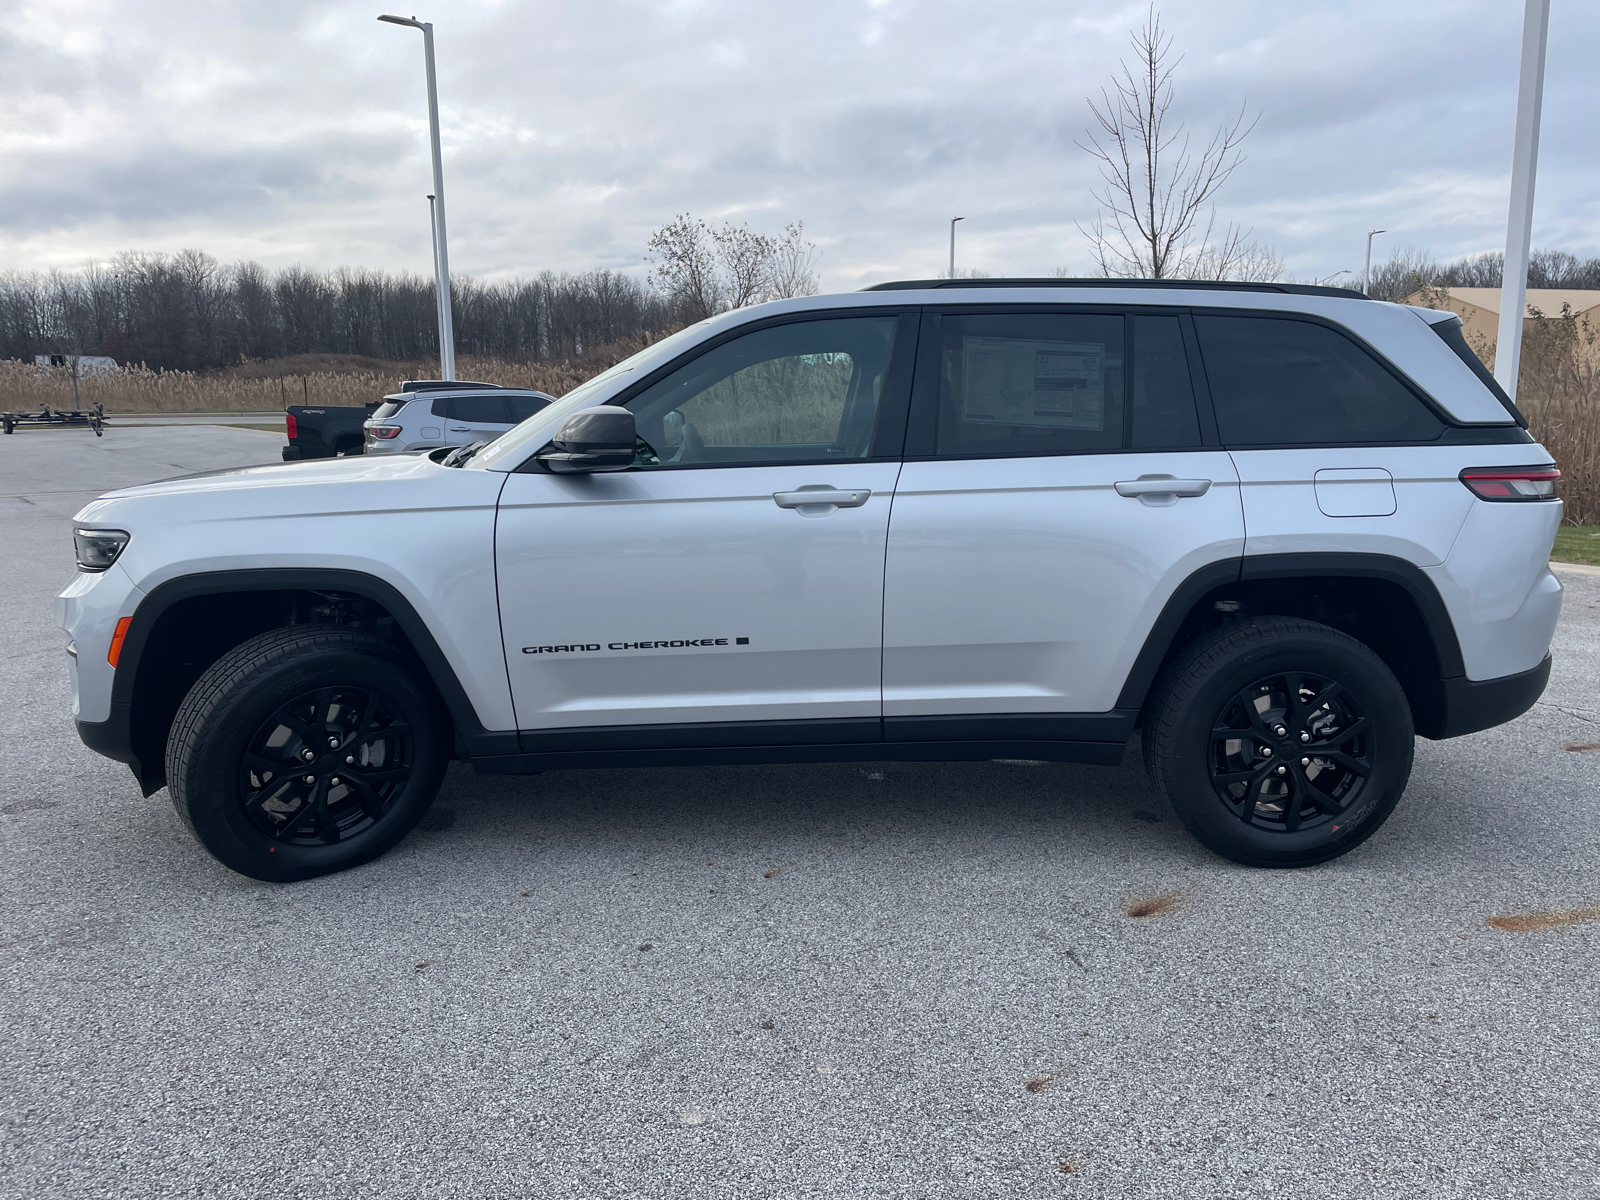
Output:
(523, 407)
(1164, 415)
(1284, 382)
(473, 410)
(1030, 383)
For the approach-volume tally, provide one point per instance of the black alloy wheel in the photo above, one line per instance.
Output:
(1290, 752)
(1279, 742)
(306, 750)
(326, 766)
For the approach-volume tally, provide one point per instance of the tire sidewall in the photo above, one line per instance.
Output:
(211, 795)
(1186, 768)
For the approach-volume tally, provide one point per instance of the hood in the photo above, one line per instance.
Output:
(317, 472)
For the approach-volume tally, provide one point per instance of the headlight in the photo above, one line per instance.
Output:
(98, 548)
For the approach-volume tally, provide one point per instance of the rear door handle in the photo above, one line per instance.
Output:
(464, 429)
(1163, 489)
(821, 497)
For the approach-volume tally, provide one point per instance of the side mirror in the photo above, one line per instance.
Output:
(592, 439)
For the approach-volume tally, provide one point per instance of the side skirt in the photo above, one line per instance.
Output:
(1052, 737)
(1107, 754)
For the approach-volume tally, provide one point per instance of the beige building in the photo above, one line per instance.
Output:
(1479, 309)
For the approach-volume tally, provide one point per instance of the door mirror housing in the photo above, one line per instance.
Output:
(590, 440)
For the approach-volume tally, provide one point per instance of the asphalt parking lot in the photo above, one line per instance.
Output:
(845, 981)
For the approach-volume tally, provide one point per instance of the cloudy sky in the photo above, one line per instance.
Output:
(295, 132)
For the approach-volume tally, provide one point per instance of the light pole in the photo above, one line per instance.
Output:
(1519, 223)
(441, 258)
(1366, 272)
(953, 221)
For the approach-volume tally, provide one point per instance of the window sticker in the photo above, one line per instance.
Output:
(1053, 385)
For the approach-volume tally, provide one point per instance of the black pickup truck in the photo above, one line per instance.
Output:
(324, 431)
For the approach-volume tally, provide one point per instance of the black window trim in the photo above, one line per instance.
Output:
(893, 402)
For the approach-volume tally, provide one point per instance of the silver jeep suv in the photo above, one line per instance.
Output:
(427, 414)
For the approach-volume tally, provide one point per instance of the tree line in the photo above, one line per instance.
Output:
(1411, 270)
(187, 311)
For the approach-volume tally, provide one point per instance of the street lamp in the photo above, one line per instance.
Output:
(1366, 272)
(441, 258)
(953, 221)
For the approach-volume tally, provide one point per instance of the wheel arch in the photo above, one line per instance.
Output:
(1385, 602)
(209, 613)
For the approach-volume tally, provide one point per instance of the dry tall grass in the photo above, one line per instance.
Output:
(262, 387)
(1558, 388)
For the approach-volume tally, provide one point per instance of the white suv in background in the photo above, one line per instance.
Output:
(1277, 530)
(432, 414)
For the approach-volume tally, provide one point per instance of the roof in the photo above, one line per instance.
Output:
(1546, 300)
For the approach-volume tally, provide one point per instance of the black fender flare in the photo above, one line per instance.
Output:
(1331, 564)
(471, 736)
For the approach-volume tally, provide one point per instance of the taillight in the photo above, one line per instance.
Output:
(290, 427)
(384, 431)
(1512, 483)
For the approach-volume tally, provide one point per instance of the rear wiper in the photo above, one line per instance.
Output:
(460, 454)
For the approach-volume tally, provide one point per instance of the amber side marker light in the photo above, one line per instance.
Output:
(1512, 483)
(116, 640)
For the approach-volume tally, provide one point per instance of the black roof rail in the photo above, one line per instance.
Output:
(445, 385)
(1204, 285)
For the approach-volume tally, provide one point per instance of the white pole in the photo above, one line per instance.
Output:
(1519, 224)
(1366, 272)
(953, 221)
(441, 260)
(438, 300)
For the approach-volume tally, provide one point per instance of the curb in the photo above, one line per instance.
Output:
(1574, 568)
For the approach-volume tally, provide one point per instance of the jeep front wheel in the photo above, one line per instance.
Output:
(305, 750)
(1280, 742)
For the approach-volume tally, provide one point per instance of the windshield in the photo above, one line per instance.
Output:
(511, 448)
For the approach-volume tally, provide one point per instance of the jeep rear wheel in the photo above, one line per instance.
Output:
(1280, 742)
(305, 750)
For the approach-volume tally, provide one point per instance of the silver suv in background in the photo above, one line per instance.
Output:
(429, 414)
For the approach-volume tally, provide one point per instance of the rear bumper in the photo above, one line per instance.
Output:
(1471, 705)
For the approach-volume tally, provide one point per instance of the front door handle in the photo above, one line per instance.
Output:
(1161, 490)
(818, 500)
(461, 429)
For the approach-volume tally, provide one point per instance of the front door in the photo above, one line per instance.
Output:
(735, 573)
(1063, 493)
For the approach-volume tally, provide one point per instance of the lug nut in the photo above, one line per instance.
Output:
(1266, 752)
(1283, 770)
(1305, 762)
(333, 742)
(1305, 737)
(333, 782)
(349, 760)
(310, 779)
(308, 754)
(1281, 731)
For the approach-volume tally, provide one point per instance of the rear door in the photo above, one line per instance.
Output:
(1058, 487)
(1336, 451)
(473, 418)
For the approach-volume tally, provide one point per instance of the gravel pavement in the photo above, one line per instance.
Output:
(895, 980)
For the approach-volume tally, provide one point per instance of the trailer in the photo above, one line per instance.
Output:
(94, 418)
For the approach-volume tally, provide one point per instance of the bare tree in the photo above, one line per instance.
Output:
(683, 268)
(701, 271)
(1231, 257)
(793, 268)
(1153, 186)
